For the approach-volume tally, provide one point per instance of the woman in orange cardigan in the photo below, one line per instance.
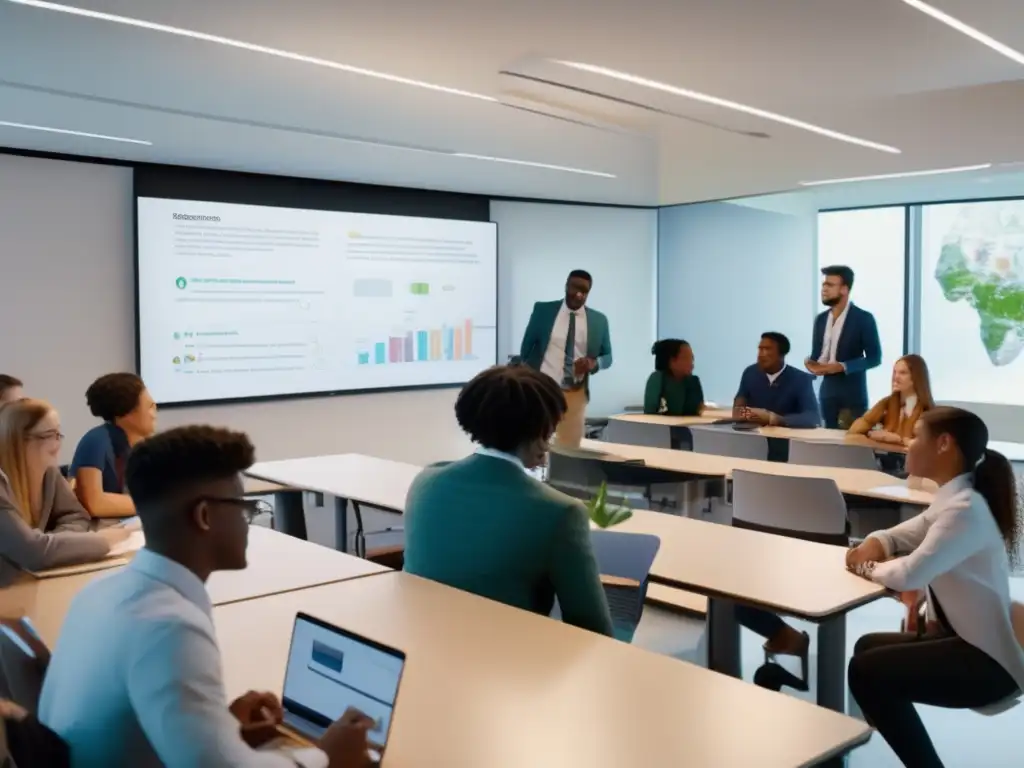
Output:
(896, 414)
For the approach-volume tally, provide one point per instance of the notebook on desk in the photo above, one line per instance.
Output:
(330, 670)
(120, 554)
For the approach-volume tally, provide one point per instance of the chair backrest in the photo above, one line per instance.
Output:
(818, 454)
(637, 433)
(627, 558)
(789, 505)
(721, 441)
(23, 661)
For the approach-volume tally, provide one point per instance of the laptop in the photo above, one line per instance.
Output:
(331, 669)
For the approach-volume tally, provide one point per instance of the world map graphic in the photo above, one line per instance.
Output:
(982, 263)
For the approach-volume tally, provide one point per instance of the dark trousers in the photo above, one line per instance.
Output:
(764, 623)
(834, 406)
(890, 672)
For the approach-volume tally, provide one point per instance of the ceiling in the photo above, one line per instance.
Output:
(878, 70)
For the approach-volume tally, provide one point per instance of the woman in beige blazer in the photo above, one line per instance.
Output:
(892, 418)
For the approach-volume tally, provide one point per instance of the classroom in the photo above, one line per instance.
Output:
(480, 386)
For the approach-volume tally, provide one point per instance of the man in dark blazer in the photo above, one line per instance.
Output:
(569, 342)
(845, 348)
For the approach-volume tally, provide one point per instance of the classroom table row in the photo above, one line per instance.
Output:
(727, 565)
(486, 684)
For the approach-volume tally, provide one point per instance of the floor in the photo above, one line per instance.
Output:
(963, 739)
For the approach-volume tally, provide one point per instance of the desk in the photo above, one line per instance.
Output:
(348, 477)
(837, 436)
(789, 576)
(277, 563)
(488, 685)
(854, 482)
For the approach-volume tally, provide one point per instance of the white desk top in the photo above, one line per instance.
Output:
(796, 577)
(819, 435)
(856, 482)
(277, 563)
(378, 482)
(488, 685)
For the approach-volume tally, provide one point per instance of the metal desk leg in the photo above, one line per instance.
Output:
(723, 637)
(360, 531)
(341, 524)
(289, 516)
(832, 663)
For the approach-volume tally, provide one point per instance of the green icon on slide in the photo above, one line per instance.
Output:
(181, 282)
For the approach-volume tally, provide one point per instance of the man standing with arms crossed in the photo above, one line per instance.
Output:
(569, 342)
(845, 348)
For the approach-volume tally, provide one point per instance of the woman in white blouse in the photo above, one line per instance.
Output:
(966, 655)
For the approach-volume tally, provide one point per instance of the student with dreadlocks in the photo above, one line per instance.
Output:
(484, 525)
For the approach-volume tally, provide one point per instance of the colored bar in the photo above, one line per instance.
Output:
(469, 338)
(449, 343)
(458, 343)
(419, 289)
(364, 358)
(326, 656)
(435, 345)
(408, 355)
(380, 353)
(395, 349)
(421, 345)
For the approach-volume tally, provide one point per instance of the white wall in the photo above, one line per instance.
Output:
(539, 244)
(726, 274)
(67, 316)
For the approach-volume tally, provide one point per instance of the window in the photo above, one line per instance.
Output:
(872, 242)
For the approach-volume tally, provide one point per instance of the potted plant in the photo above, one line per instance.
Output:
(606, 515)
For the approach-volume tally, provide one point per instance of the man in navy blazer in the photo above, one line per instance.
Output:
(845, 348)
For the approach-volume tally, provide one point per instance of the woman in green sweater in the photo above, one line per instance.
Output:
(673, 390)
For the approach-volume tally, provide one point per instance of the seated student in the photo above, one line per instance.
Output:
(42, 525)
(135, 678)
(483, 525)
(772, 393)
(11, 389)
(895, 415)
(959, 550)
(672, 389)
(129, 415)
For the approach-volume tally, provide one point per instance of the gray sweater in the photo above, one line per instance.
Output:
(61, 538)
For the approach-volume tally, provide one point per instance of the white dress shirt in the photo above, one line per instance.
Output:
(496, 454)
(135, 679)
(833, 330)
(553, 364)
(954, 548)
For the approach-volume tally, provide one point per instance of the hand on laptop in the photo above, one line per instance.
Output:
(259, 714)
(345, 741)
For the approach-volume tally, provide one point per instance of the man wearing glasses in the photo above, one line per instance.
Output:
(135, 678)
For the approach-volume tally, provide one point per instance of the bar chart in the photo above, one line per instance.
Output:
(444, 344)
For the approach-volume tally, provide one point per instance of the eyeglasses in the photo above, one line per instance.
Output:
(52, 434)
(250, 508)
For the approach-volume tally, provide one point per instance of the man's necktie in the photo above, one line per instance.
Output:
(568, 374)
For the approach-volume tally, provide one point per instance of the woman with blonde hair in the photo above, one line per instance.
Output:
(42, 524)
(892, 418)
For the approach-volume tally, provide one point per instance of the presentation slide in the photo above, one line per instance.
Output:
(972, 300)
(328, 673)
(239, 301)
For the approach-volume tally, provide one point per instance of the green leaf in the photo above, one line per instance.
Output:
(603, 515)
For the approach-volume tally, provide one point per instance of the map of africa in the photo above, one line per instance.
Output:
(982, 263)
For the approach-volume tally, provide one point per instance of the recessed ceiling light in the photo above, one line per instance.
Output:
(725, 103)
(100, 16)
(467, 155)
(532, 164)
(907, 174)
(967, 29)
(47, 129)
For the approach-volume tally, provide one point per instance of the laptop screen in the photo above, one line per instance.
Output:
(330, 670)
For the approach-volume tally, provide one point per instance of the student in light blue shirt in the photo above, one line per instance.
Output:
(135, 678)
